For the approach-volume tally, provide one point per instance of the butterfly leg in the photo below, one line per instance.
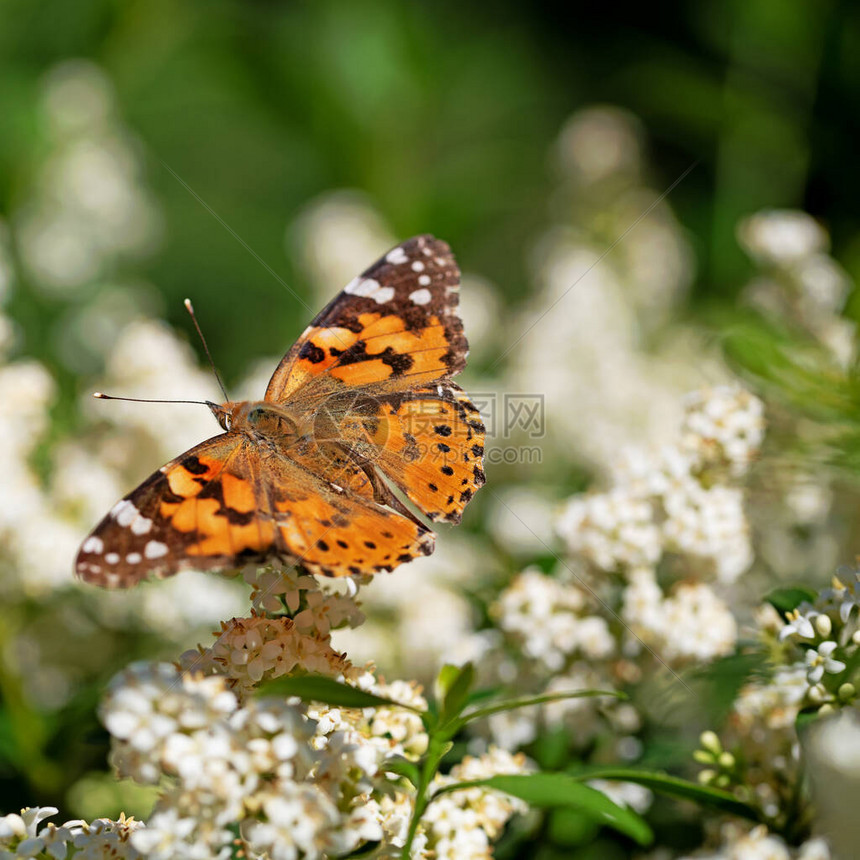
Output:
(383, 495)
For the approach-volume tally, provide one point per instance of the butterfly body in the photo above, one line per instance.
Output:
(364, 400)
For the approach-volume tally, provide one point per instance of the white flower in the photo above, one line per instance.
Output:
(102, 838)
(613, 529)
(169, 835)
(711, 524)
(636, 797)
(800, 622)
(296, 822)
(820, 660)
(462, 824)
(723, 425)
(547, 616)
(845, 592)
(782, 237)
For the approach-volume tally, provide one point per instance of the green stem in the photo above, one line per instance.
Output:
(529, 701)
(436, 749)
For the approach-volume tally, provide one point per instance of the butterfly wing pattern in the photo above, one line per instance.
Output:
(363, 396)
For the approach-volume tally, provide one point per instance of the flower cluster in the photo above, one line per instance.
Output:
(823, 636)
(462, 825)
(549, 620)
(259, 764)
(677, 505)
(676, 499)
(22, 836)
(800, 281)
(740, 844)
(296, 780)
(288, 630)
(811, 648)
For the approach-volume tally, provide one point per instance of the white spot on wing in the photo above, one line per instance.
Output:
(124, 512)
(93, 544)
(418, 266)
(424, 280)
(420, 297)
(155, 549)
(133, 557)
(141, 525)
(369, 288)
(359, 287)
(398, 255)
(112, 558)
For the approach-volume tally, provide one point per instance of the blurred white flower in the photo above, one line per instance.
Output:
(78, 96)
(782, 237)
(613, 530)
(600, 141)
(723, 425)
(521, 520)
(150, 361)
(635, 797)
(338, 236)
(90, 205)
(550, 620)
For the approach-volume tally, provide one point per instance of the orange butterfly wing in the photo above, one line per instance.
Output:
(218, 506)
(381, 356)
(372, 376)
(396, 324)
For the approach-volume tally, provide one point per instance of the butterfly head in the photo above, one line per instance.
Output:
(225, 413)
(254, 418)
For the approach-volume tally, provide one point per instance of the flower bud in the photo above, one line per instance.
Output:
(710, 742)
(823, 625)
(707, 776)
(817, 694)
(726, 761)
(846, 691)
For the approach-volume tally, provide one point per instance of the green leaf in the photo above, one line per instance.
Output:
(452, 689)
(317, 688)
(785, 600)
(560, 790)
(676, 787)
(402, 767)
(570, 827)
(806, 718)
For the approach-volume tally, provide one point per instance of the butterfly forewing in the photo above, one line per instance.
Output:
(199, 511)
(396, 325)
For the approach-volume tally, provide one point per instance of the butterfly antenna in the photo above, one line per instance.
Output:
(99, 396)
(190, 308)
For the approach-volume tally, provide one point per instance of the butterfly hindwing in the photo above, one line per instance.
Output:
(397, 323)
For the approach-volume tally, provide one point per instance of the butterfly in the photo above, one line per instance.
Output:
(363, 398)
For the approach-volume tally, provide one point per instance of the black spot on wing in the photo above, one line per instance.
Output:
(311, 352)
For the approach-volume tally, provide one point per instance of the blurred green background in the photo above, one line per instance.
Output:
(443, 116)
(440, 112)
